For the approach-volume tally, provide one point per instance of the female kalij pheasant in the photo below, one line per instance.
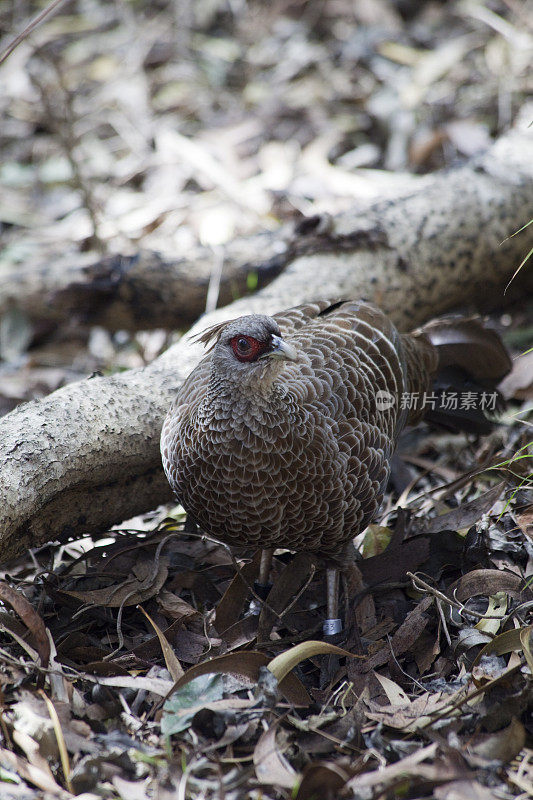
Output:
(282, 435)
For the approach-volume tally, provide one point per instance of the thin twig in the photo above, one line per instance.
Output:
(36, 21)
(65, 130)
(443, 621)
(453, 706)
(422, 586)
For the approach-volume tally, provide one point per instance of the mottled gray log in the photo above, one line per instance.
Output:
(87, 456)
(143, 291)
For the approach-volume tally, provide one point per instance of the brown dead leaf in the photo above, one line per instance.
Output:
(321, 779)
(107, 668)
(293, 577)
(398, 558)
(426, 651)
(424, 145)
(31, 716)
(171, 661)
(33, 774)
(411, 768)
(173, 606)
(34, 752)
(246, 664)
(232, 603)
(190, 646)
(412, 627)
(149, 650)
(271, 767)
(395, 693)
(525, 522)
(240, 634)
(145, 582)
(136, 682)
(502, 746)
(365, 610)
(30, 618)
(408, 716)
(405, 637)
(464, 516)
(486, 582)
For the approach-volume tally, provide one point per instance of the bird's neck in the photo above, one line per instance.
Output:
(262, 391)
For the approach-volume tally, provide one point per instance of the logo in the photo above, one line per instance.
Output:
(384, 400)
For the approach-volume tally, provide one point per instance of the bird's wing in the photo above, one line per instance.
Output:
(295, 318)
(353, 361)
(347, 313)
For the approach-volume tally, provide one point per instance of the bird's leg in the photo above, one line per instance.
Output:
(350, 622)
(332, 624)
(264, 568)
(262, 585)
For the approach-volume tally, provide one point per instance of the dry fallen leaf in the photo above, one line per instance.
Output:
(246, 664)
(172, 662)
(30, 618)
(501, 746)
(145, 582)
(271, 767)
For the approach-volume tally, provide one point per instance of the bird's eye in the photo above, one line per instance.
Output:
(246, 348)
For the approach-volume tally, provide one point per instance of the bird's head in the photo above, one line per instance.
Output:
(249, 349)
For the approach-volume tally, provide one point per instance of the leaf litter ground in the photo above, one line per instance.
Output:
(129, 666)
(132, 659)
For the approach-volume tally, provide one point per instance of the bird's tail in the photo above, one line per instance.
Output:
(465, 362)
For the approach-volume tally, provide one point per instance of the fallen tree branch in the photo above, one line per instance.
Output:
(140, 292)
(87, 456)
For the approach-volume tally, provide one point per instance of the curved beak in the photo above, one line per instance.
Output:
(281, 349)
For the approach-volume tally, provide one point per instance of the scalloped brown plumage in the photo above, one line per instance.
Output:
(291, 447)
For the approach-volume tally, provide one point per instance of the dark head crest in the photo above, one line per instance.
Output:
(211, 334)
